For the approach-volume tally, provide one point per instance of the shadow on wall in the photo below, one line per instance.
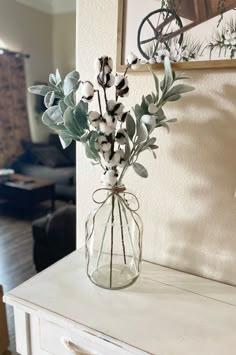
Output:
(206, 243)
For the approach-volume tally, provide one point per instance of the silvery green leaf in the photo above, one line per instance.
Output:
(52, 79)
(52, 116)
(152, 140)
(160, 115)
(58, 77)
(140, 170)
(165, 125)
(168, 78)
(92, 136)
(173, 98)
(62, 107)
(127, 151)
(149, 99)
(139, 112)
(84, 137)
(69, 84)
(172, 120)
(156, 85)
(65, 139)
(130, 126)
(179, 77)
(154, 146)
(74, 75)
(142, 134)
(40, 89)
(153, 153)
(69, 100)
(89, 153)
(144, 105)
(81, 115)
(49, 99)
(71, 123)
(178, 90)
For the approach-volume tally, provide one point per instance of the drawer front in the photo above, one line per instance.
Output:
(59, 340)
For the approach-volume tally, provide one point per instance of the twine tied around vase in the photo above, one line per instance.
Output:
(116, 191)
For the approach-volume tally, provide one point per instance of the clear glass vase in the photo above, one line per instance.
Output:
(114, 239)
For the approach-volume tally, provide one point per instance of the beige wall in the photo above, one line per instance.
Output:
(64, 42)
(187, 204)
(27, 30)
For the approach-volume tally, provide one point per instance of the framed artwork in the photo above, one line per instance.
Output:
(192, 33)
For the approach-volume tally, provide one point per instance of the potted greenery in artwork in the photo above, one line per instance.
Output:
(114, 137)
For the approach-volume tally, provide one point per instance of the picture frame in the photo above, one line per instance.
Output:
(123, 33)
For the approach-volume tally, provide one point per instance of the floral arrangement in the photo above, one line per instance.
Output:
(113, 136)
(225, 40)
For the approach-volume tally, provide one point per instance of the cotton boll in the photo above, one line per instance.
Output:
(133, 61)
(152, 108)
(105, 80)
(149, 121)
(114, 159)
(94, 118)
(115, 108)
(103, 64)
(87, 91)
(121, 136)
(123, 116)
(102, 144)
(121, 83)
(104, 128)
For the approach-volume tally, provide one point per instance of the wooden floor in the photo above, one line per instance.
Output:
(16, 264)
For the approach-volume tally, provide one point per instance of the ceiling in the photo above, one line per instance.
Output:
(51, 6)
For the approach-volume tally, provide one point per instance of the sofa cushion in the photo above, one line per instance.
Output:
(49, 156)
(62, 175)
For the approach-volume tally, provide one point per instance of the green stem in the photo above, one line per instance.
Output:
(112, 237)
(122, 232)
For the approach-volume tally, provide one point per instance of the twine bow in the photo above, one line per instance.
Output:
(116, 191)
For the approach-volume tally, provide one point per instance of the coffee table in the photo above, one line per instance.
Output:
(25, 192)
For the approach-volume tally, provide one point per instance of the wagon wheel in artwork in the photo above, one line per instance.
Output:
(161, 25)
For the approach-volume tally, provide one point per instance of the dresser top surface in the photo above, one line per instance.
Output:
(165, 312)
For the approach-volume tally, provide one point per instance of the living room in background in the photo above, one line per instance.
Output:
(14, 126)
(44, 175)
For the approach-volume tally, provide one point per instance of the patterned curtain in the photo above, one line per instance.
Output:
(13, 109)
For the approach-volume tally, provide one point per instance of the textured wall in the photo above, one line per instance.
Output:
(187, 204)
(63, 42)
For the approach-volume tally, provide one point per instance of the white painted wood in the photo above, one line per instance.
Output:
(166, 312)
(22, 331)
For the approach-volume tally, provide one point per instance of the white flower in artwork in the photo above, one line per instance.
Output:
(230, 38)
(152, 60)
(87, 91)
(175, 52)
(161, 54)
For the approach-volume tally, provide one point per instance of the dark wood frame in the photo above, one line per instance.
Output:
(206, 64)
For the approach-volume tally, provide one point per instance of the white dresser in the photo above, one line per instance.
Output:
(166, 312)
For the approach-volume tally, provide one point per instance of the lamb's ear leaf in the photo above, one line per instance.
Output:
(40, 89)
(65, 139)
(62, 107)
(130, 126)
(71, 124)
(53, 79)
(74, 75)
(140, 170)
(49, 99)
(156, 80)
(58, 77)
(168, 78)
(81, 115)
(70, 85)
(178, 90)
(139, 112)
(52, 116)
(69, 100)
